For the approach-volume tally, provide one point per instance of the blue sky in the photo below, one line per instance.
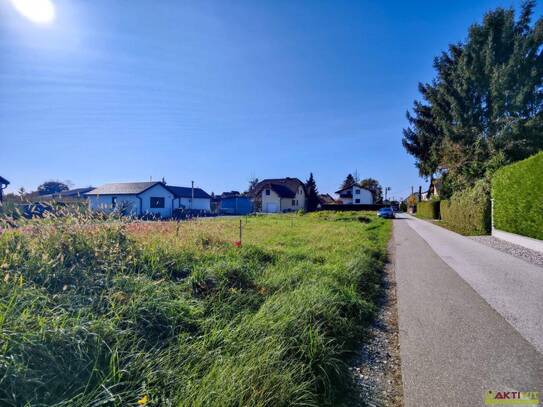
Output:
(217, 91)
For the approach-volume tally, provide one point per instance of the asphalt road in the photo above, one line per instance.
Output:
(454, 343)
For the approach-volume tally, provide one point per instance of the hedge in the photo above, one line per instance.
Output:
(428, 209)
(468, 211)
(517, 191)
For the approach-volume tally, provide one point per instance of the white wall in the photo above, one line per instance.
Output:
(271, 198)
(364, 195)
(157, 191)
(199, 203)
(103, 203)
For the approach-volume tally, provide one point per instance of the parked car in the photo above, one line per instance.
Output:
(386, 213)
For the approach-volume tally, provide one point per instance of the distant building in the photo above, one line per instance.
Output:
(147, 198)
(326, 199)
(70, 195)
(191, 198)
(280, 195)
(355, 195)
(234, 203)
(3, 185)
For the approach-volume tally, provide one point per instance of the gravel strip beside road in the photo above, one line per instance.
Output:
(377, 367)
(523, 253)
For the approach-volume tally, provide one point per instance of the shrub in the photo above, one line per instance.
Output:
(517, 190)
(468, 211)
(428, 209)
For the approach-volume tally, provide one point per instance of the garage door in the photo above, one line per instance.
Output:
(272, 207)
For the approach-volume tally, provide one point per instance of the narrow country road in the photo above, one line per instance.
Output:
(470, 317)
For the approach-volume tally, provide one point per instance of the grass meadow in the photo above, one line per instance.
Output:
(118, 313)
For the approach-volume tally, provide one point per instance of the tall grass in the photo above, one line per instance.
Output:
(111, 312)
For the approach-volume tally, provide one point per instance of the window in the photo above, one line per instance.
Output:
(113, 202)
(157, 202)
(293, 202)
(357, 201)
(357, 191)
(296, 202)
(267, 191)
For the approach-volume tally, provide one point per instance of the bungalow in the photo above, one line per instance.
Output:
(3, 185)
(191, 198)
(280, 195)
(146, 198)
(355, 195)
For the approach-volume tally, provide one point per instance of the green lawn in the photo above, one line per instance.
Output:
(174, 314)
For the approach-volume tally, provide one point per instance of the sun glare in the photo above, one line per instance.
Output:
(37, 11)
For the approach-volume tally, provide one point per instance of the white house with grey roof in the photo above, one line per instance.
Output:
(147, 198)
(355, 195)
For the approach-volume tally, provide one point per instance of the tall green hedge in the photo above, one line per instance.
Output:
(517, 191)
(428, 209)
(468, 211)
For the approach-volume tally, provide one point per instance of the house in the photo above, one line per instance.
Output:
(3, 185)
(147, 199)
(354, 194)
(70, 195)
(191, 198)
(280, 195)
(326, 199)
(234, 203)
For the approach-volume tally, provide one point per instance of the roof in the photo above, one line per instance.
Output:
(284, 187)
(74, 192)
(4, 181)
(326, 199)
(124, 188)
(238, 197)
(186, 192)
(230, 194)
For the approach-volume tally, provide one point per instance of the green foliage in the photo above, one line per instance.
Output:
(105, 313)
(428, 209)
(517, 191)
(348, 181)
(52, 187)
(312, 194)
(468, 211)
(484, 108)
(374, 187)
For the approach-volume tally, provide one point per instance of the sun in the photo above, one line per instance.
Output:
(37, 11)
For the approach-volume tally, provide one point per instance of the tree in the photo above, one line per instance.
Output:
(374, 187)
(312, 194)
(349, 180)
(52, 187)
(484, 108)
(253, 182)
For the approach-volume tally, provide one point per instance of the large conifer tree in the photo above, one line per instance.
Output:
(312, 194)
(485, 106)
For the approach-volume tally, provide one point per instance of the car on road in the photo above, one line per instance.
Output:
(386, 213)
